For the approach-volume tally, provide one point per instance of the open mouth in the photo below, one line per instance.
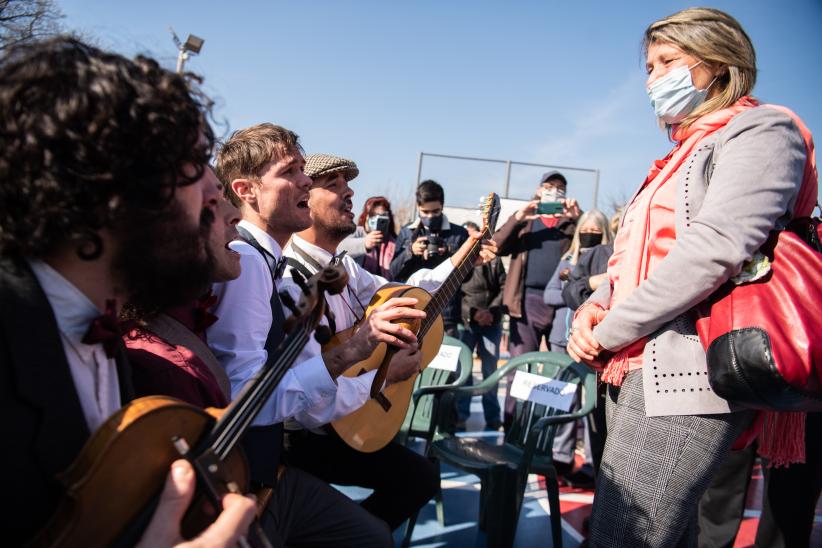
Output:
(231, 234)
(303, 204)
(348, 209)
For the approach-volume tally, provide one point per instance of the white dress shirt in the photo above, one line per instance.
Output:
(307, 393)
(94, 373)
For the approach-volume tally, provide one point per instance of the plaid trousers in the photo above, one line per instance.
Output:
(655, 469)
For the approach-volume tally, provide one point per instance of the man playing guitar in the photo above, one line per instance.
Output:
(393, 469)
(262, 170)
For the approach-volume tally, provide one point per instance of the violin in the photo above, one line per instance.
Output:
(112, 487)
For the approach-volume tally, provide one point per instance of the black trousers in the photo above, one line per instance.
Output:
(402, 480)
(306, 511)
(722, 506)
(788, 503)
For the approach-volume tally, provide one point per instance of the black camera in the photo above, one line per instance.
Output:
(434, 244)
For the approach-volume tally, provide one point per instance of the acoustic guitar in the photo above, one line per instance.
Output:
(376, 423)
(112, 487)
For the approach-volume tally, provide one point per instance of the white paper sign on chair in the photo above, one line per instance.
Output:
(447, 358)
(543, 390)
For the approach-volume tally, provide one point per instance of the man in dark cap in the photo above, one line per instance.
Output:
(535, 242)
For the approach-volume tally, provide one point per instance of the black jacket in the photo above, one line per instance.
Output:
(592, 262)
(483, 289)
(406, 263)
(44, 427)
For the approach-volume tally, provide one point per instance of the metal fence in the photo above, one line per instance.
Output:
(505, 190)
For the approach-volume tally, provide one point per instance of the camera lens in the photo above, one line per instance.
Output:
(434, 244)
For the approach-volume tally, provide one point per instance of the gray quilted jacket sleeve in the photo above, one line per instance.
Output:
(759, 160)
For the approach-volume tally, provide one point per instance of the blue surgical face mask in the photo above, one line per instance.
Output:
(674, 96)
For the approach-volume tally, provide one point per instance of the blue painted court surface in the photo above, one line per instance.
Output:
(461, 504)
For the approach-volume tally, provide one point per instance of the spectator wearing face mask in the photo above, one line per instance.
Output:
(536, 239)
(584, 277)
(589, 271)
(592, 231)
(738, 171)
(373, 242)
(427, 242)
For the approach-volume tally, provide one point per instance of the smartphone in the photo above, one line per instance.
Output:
(549, 204)
(382, 224)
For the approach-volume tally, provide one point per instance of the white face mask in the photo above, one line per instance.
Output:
(674, 96)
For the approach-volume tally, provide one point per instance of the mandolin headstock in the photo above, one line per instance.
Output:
(489, 213)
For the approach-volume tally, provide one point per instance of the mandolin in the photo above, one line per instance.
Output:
(112, 487)
(377, 422)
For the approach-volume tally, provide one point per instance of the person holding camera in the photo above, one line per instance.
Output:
(373, 242)
(427, 242)
(536, 237)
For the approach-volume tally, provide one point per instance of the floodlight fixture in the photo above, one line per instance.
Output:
(191, 46)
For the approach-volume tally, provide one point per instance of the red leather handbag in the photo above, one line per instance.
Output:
(763, 339)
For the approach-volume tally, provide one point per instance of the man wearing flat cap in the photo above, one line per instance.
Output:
(262, 170)
(535, 243)
(393, 469)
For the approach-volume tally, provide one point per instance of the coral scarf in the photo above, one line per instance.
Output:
(648, 230)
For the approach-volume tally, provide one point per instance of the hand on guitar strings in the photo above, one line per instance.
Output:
(385, 325)
(378, 327)
(406, 363)
(229, 529)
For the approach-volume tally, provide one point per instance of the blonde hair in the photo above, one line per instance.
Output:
(593, 216)
(719, 41)
(249, 150)
(613, 223)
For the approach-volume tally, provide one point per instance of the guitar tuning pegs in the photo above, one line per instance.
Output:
(289, 303)
(322, 334)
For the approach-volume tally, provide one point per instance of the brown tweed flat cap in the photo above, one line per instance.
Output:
(323, 164)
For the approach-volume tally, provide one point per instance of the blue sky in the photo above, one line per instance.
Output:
(380, 81)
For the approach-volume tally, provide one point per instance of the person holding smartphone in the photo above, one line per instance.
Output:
(372, 244)
(536, 242)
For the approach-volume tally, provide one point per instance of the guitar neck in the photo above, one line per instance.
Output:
(247, 405)
(452, 283)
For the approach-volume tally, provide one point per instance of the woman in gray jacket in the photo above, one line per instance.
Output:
(704, 210)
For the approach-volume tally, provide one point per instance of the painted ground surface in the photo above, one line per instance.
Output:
(461, 504)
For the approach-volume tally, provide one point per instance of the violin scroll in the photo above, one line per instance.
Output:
(310, 309)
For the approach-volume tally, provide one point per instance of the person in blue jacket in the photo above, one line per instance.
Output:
(427, 242)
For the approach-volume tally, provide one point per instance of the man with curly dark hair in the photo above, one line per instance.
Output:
(102, 199)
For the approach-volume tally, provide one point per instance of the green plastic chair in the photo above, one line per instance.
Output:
(421, 421)
(527, 448)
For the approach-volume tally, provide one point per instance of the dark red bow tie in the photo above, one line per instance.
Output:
(201, 314)
(107, 329)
